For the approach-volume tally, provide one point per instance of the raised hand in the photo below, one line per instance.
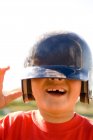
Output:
(11, 95)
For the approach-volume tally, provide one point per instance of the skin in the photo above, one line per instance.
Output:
(11, 95)
(56, 108)
(53, 108)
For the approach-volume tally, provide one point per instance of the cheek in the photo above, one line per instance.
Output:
(37, 87)
(35, 91)
(75, 89)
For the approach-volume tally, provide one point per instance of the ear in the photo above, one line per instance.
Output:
(27, 90)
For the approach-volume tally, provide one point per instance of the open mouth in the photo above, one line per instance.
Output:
(56, 91)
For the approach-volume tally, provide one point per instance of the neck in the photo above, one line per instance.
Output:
(56, 117)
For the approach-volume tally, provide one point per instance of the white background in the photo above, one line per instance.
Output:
(23, 21)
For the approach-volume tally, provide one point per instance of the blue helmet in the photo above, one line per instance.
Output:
(59, 55)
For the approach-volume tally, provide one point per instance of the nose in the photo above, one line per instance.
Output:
(56, 79)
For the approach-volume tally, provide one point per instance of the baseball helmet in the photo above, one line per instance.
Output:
(59, 55)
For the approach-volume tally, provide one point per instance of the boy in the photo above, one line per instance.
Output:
(56, 74)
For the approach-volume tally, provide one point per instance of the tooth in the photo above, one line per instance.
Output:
(49, 89)
(61, 90)
(54, 89)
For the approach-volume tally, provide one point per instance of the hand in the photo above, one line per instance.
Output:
(11, 95)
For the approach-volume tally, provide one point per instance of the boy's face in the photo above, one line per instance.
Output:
(56, 95)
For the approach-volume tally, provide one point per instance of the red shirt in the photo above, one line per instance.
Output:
(26, 126)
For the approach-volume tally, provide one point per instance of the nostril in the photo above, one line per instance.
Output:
(60, 78)
(56, 79)
(51, 78)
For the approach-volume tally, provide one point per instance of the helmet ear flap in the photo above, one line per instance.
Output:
(84, 97)
(27, 90)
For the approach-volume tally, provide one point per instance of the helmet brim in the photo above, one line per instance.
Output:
(54, 71)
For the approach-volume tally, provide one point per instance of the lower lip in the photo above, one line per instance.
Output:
(57, 94)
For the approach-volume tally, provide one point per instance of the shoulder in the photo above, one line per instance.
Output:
(87, 121)
(83, 126)
(19, 117)
(16, 124)
(86, 124)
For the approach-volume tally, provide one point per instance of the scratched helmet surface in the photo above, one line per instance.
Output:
(60, 55)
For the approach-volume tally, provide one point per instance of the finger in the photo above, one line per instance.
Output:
(7, 68)
(2, 74)
(3, 70)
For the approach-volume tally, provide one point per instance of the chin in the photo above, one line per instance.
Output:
(57, 109)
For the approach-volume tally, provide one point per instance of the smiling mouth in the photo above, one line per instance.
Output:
(57, 92)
